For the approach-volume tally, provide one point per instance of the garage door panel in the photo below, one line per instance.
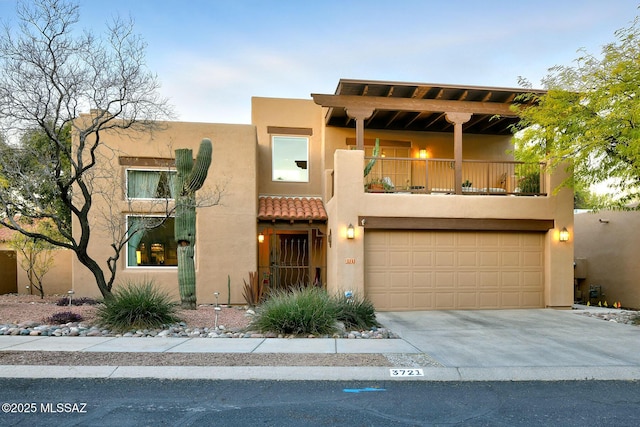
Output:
(376, 257)
(425, 270)
(467, 259)
(400, 299)
(467, 279)
(445, 259)
(510, 259)
(421, 280)
(445, 301)
(532, 299)
(532, 259)
(467, 300)
(399, 259)
(489, 300)
(422, 301)
(489, 258)
(489, 279)
(400, 279)
(422, 258)
(445, 279)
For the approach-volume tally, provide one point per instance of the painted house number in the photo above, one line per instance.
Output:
(350, 261)
(407, 373)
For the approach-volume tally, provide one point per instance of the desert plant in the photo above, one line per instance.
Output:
(63, 317)
(76, 301)
(189, 179)
(355, 312)
(137, 306)
(372, 162)
(254, 292)
(308, 310)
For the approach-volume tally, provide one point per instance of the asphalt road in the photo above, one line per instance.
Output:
(70, 402)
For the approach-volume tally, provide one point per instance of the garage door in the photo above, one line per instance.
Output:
(442, 270)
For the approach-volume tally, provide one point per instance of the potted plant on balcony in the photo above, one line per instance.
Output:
(378, 185)
(466, 186)
(530, 183)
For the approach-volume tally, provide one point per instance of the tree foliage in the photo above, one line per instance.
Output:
(590, 116)
(50, 72)
(36, 255)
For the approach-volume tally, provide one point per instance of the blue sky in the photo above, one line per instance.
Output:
(213, 56)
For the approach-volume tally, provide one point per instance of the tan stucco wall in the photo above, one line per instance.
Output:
(350, 201)
(288, 113)
(226, 233)
(57, 280)
(609, 241)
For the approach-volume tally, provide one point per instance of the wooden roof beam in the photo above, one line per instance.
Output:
(408, 104)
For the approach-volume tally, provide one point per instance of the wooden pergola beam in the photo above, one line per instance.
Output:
(412, 104)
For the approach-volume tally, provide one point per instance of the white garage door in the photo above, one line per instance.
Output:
(442, 270)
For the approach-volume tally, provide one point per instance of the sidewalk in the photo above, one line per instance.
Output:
(505, 345)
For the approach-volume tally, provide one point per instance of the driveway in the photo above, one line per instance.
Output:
(518, 338)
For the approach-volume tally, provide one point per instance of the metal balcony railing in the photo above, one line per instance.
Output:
(480, 177)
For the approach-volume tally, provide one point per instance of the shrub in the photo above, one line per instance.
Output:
(356, 312)
(76, 301)
(253, 292)
(63, 317)
(137, 306)
(300, 311)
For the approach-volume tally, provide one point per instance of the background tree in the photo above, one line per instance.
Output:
(591, 117)
(36, 255)
(49, 74)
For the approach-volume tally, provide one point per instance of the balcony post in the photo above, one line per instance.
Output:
(359, 114)
(457, 119)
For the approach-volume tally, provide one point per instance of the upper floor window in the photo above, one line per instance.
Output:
(150, 184)
(290, 158)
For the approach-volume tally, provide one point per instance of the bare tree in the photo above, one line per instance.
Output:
(36, 255)
(49, 73)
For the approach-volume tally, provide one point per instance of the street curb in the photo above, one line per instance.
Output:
(323, 373)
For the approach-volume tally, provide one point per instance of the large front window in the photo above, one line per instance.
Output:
(150, 184)
(290, 156)
(151, 246)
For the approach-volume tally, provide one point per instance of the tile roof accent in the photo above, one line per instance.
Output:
(291, 209)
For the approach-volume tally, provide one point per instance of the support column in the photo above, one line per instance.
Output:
(457, 119)
(359, 114)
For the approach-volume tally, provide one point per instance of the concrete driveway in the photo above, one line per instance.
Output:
(520, 339)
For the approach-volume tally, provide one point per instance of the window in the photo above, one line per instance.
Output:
(149, 246)
(150, 184)
(290, 158)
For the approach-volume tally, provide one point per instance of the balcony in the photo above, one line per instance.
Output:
(479, 177)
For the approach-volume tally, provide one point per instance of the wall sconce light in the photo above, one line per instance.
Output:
(351, 232)
(422, 153)
(260, 237)
(563, 236)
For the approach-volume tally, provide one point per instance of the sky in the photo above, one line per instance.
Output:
(212, 56)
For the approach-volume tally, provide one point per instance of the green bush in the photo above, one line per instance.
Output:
(356, 312)
(306, 311)
(137, 306)
(311, 310)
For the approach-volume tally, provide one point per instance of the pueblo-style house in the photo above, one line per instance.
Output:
(404, 192)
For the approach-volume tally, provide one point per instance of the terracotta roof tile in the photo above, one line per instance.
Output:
(291, 209)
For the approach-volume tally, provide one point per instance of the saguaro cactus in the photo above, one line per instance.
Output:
(189, 179)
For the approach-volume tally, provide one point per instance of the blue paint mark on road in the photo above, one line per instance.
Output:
(362, 390)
